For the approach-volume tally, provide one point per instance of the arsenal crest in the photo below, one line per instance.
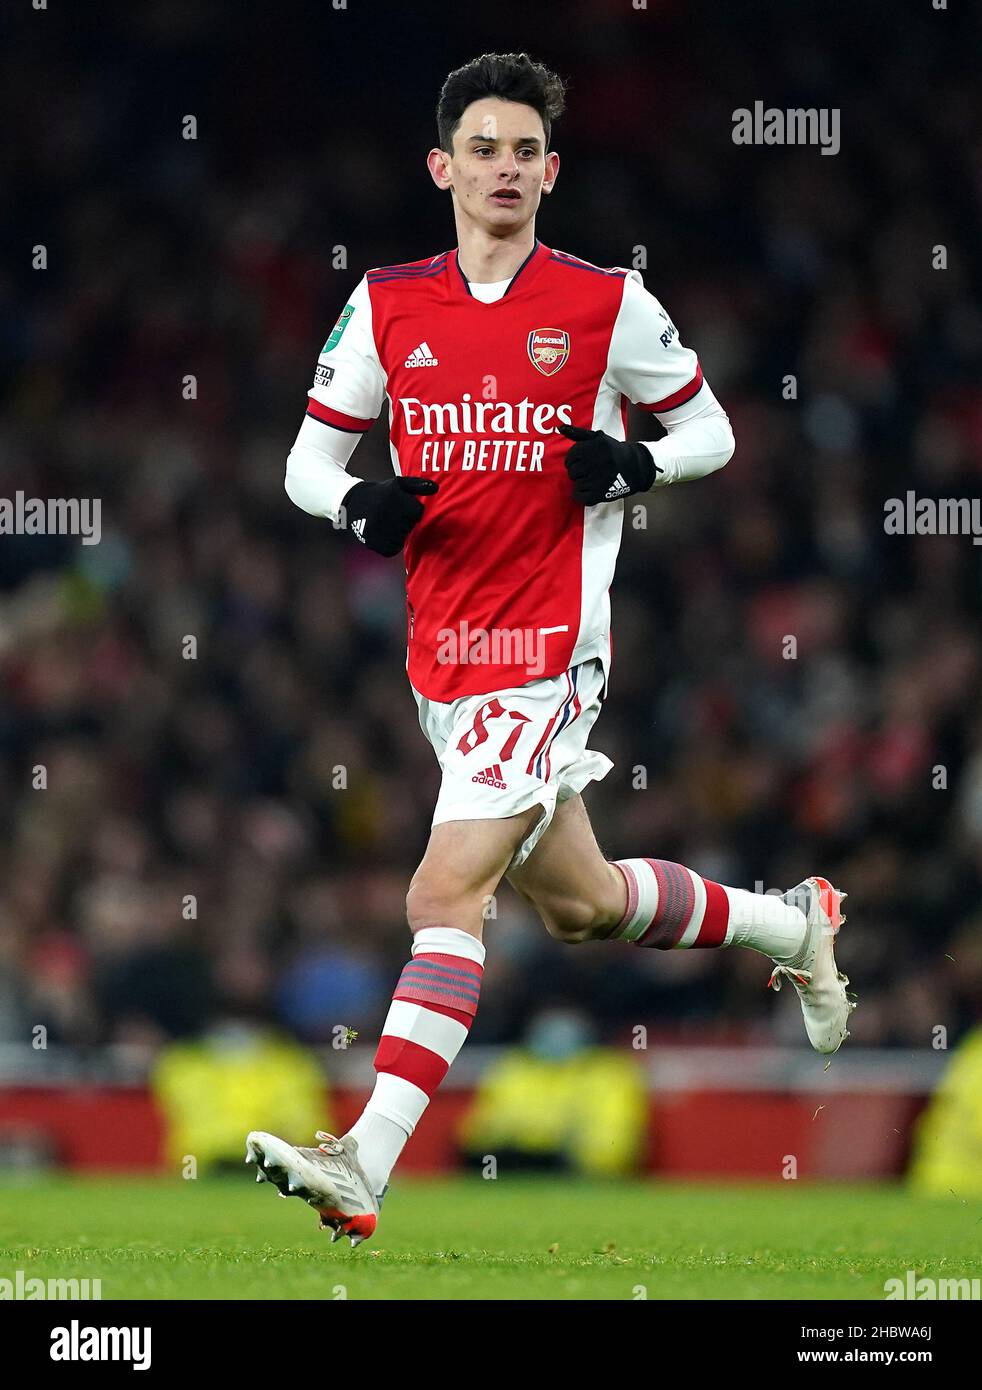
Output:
(548, 349)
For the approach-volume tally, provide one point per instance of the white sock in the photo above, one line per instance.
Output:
(764, 922)
(670, 907)
(431, 1012)
(380, 1142)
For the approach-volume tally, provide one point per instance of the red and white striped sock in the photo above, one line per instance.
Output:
(671, 907)
(428, 1021)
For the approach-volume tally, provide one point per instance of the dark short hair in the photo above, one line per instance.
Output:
(511, 76)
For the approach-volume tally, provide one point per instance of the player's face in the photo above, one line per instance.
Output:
(499, 168)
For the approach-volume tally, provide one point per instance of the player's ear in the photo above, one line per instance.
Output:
(552, 170)
(438, 163)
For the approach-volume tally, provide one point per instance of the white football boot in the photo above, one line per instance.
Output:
(329, 1178)
(820, 984)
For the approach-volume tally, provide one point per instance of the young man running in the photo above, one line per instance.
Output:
(507, 368)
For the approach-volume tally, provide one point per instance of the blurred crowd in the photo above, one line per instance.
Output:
(177, 845)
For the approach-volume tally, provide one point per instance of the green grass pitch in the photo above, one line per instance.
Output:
(468, 1238)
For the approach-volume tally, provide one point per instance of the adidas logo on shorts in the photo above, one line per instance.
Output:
(491, 777)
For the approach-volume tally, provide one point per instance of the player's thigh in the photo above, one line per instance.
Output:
(465, 861)
(568, 880)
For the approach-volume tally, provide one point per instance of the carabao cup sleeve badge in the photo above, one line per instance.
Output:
(548, 349)
(338, 328)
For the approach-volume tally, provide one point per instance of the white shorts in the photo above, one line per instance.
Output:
(503, 753)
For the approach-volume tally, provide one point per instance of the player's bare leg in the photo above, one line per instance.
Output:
(432, 1010)
(579, 895)
(651, 902)
(465, 860)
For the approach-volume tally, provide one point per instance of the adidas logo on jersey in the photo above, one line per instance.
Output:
(618, 488)
(358, 527)
(422, 356)
(491, 777)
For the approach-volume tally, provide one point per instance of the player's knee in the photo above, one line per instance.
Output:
(433, 901)
(426, 905)
(573, 921)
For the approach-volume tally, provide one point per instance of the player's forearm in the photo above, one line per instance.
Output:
(317, 479)
(693, 448)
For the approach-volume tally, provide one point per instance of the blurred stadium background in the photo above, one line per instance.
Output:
(170, 1029)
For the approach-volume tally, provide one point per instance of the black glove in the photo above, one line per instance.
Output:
(603, 469)
(382, 515)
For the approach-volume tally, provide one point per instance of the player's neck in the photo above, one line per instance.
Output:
(485, 259)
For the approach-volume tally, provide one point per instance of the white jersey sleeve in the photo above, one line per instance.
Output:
(649, 365)
(344, 402)
(349, 381)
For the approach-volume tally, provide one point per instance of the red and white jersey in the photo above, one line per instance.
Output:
(507, 576)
